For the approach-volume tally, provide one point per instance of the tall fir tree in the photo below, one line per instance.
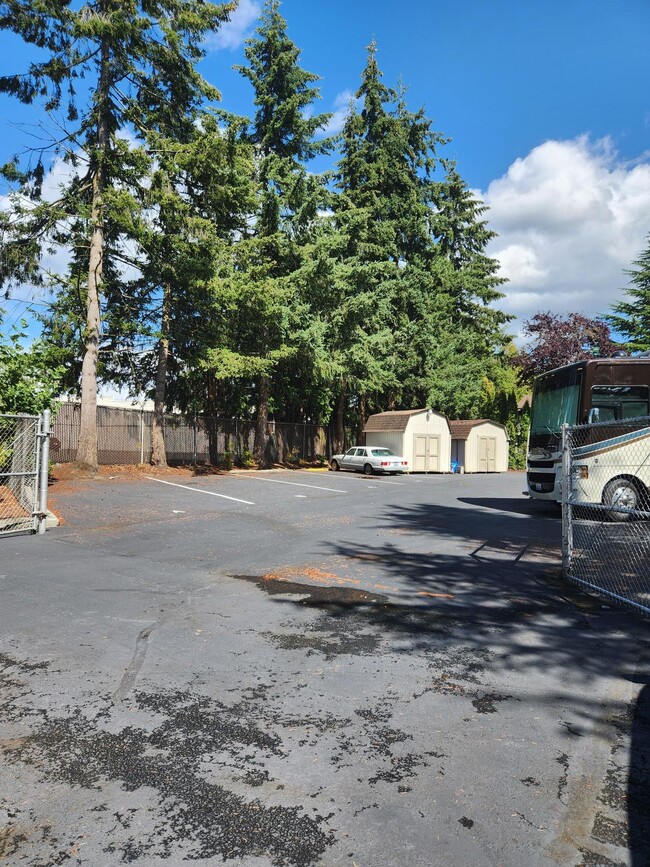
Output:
(366, 250)
(632, 318)
(417, 286)
(133, 57)
(267, 314)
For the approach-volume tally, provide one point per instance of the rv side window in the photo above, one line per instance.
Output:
(634, 409)
(620, 401)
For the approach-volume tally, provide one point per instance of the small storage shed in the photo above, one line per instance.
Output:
(480, 446)
(422, 436)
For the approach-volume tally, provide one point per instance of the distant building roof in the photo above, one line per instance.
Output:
(395, 420)
(116, 402)
(460, 428)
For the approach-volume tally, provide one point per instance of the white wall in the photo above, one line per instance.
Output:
(432, 424)
(487, 429)
(387, 439)
(427, 422)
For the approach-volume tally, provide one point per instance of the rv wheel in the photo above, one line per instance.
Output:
(623, 494)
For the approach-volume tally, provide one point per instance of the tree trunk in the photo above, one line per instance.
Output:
(211, 421)
(158, 453)
(87, 457)
(361, 422)
(339, 423)
(262, 423)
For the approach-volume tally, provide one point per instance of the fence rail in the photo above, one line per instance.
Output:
(606, 509)
(23, 473)
(124, 437)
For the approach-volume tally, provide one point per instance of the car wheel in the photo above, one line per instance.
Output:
(335, 466)
(367, 470)
(622, 493)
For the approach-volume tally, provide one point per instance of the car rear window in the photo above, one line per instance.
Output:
(381, 453)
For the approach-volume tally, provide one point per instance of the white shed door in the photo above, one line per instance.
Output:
(487, 454)
(426, 453)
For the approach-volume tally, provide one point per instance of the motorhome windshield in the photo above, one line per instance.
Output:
(555, 402)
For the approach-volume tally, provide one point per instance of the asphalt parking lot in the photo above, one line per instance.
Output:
(298, 668)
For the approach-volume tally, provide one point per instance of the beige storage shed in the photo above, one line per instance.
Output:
(479, 446)
(422, 436)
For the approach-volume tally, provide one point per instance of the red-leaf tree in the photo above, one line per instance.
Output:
(556, 341)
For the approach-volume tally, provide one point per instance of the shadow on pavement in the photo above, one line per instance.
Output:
(516, 505)
(638, 796)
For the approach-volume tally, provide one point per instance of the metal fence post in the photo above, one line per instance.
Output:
(567, 508)
(44, 470)
(142, 435)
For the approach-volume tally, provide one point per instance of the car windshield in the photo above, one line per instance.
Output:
(381, 453)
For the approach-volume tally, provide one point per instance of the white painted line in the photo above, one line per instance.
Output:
(200, 491)
(295, 484)
(300, 496)
(384, 482)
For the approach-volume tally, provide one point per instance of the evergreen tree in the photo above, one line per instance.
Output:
(632, 318)
(413, 323)
(135, 58)
(266, 314)
(360, 307)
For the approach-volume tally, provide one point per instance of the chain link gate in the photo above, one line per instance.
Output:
(606, 509)
(23, 472)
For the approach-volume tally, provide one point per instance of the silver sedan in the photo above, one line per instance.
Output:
(369, 460)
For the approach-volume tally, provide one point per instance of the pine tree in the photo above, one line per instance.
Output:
(366, 250)
(260, 285)
(136, 58)
(416, 284)
(632, 318)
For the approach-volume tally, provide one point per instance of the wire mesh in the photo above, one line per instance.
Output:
(607, 546)
(18, 473)
(124, 437)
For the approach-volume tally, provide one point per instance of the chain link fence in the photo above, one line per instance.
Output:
(124, 437)
(606, 509)
(23, 485)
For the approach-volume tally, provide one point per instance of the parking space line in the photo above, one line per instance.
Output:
(200, 491)
(295, 484)
(384, 482)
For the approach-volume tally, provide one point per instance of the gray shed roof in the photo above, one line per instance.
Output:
(396, 420)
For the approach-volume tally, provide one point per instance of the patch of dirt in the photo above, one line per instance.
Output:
(62, 474)
(9, 505)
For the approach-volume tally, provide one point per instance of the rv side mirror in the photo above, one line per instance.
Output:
(594, 415)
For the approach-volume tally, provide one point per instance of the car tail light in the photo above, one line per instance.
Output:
(384, 464)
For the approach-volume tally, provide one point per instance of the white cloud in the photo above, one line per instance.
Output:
(571, 216)
(340, 111)
(231, 34)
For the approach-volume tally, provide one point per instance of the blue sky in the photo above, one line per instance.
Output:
(497, 76)
(547, 104)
